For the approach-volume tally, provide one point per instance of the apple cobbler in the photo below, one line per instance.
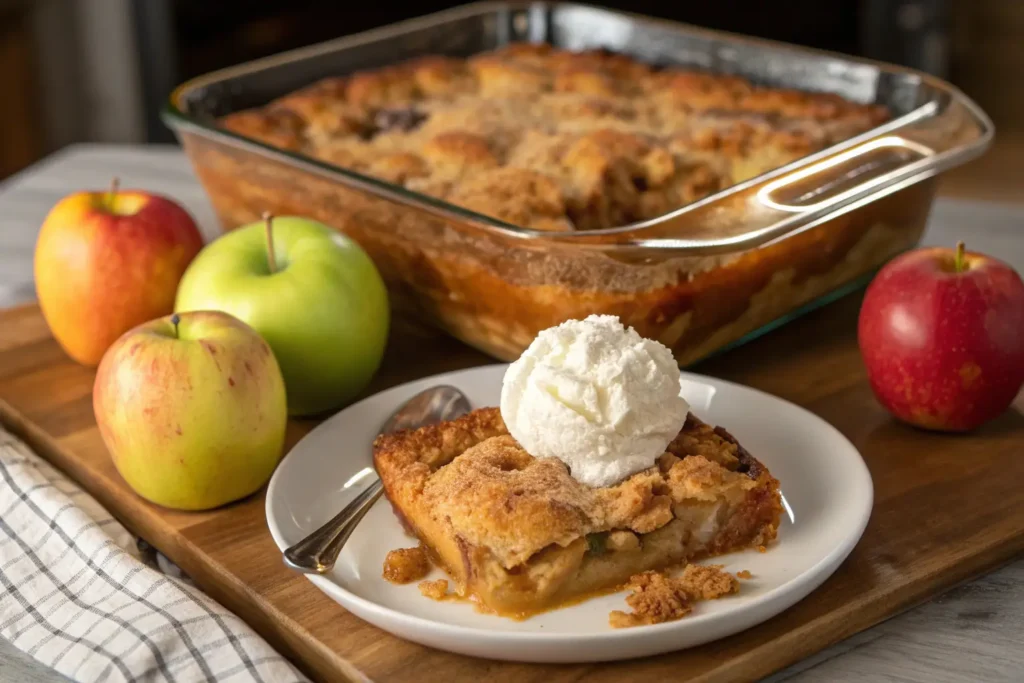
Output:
(553, 139)
(520, 535)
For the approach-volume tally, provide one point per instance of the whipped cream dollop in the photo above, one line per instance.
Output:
(597, 396)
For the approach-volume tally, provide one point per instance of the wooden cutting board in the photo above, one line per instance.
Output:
(946, 508)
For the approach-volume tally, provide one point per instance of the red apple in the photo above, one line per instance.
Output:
(108, 261)
(942, 335)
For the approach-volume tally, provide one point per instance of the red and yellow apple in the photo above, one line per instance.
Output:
(942, 336)
(192, 409)
(108, 261)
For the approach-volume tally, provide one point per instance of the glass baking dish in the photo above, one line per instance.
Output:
(702, 278)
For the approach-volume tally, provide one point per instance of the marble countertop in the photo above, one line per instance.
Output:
(972, 633)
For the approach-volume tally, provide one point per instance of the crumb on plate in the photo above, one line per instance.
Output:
(435, 590)
(657, 598)
(744, 574)
(406, 565)
(707, 582)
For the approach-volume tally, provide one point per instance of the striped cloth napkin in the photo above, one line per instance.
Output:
(76, 595)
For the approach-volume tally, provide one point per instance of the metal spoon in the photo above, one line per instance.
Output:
(317, 552)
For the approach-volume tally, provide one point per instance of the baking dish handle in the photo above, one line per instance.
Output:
(801, 196)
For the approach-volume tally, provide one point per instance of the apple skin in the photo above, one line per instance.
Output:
(195, 420)
(944, 350)
(106, 262)
(324, 311)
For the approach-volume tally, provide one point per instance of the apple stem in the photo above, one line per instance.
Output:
(958, 261)
(175, 319)
(115, 185)
(268, 223)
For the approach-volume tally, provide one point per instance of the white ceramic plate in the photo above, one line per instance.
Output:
(825, 483)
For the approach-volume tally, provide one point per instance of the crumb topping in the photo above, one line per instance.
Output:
(406, 565)
(551, 139)
(657, 597)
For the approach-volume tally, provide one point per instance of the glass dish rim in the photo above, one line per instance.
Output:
(177, 119)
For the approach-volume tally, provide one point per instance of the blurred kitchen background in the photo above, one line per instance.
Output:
(100, 70)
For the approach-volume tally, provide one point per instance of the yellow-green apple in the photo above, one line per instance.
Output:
(108, 261)
(192, 409)
(942, 335)
(312, 293)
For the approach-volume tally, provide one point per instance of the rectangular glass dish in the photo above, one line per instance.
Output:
(699, 278)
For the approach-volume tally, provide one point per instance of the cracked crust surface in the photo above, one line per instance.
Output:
(551, 139)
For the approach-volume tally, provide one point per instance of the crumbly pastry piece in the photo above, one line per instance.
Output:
(657, 597)
(435, 590)
(551, 139)
(707, 582)
(521, 535)
(406, 565)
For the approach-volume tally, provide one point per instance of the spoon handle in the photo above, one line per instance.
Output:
(317, 553)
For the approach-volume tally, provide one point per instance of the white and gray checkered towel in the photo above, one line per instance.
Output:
(75, 595)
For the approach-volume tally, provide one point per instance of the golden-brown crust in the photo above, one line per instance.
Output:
(497, 496)
(276, 127)
(390, 85)
(514, 195)
(500, 518)
(400, 167)
(437, 444)
(444, 77)
(615, 140)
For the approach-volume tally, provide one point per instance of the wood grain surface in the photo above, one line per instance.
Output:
(946, 509)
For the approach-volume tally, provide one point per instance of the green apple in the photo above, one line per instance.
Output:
(192, 409)
(312, 293)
